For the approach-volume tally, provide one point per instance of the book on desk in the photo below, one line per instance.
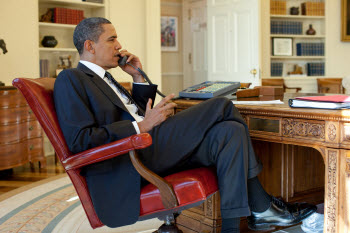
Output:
(321, 102)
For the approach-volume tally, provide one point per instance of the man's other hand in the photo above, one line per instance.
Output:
(158, 114)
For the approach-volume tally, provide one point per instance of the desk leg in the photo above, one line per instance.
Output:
(343, 218)
(331, 190)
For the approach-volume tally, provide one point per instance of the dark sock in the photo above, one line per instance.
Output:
(258, 199)
(230, 225)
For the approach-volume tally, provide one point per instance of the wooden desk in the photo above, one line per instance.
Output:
(291, 133)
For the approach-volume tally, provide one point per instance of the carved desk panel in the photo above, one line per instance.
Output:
(327, 131)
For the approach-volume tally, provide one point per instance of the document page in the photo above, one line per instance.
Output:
(257, 102)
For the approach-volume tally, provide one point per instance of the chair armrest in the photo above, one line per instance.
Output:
(107, 151)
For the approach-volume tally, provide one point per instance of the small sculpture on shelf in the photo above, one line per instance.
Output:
(297, 70)
(47, 17)
(49, 41)
(65, 64)
(3, 46)
(294, 10)
(311, 31)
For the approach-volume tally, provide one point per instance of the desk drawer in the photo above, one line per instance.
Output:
(13, 115)
(16, 154)
(301, 128)
(286, 127)
(18, 132)
(263, 125)
(11, 98)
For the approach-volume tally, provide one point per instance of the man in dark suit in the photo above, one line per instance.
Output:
(93, 109)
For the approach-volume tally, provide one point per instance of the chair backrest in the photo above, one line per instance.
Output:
(272, 82)
(280, 83)
(330, 85)
(39, 95)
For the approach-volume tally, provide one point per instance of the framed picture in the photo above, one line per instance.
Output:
(169, 33)
(282, 46)
(345, 20)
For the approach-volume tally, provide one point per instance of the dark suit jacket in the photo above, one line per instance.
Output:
(90, 114)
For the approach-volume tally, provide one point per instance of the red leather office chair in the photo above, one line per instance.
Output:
(161, 198)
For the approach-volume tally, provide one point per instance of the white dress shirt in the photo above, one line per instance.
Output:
(132, 108)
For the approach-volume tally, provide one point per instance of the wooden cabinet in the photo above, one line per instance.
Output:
(21, 137)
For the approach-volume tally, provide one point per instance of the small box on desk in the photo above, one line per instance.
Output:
(270, 90)
(248, 93)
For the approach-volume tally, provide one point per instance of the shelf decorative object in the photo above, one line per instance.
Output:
(311, 30)
(49, 41)
(3, 46)
(282, 47)
(47, 17)
(294, 10)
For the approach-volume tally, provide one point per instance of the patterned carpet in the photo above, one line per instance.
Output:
(53, 206)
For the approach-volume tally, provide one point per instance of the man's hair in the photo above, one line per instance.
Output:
(88, 29)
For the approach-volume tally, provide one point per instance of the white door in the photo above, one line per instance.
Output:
(233, 40)
(195, 42)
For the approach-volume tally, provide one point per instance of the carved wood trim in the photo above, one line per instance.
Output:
(332, 132)
(347, 166)
(331, 191)
(303, 128)
(289, 114)
(209, 207)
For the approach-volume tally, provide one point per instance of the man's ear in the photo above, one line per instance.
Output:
(89, 46)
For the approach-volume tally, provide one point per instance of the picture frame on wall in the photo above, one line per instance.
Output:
(345, 21)
(282, 46)
(169, 33)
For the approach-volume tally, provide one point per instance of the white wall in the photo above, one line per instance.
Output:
(137, 23)
(19, 29)
(338, 52)
(172, 70)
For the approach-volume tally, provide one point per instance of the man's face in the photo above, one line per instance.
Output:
(107, 48)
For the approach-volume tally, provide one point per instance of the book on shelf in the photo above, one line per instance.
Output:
(67, 16)
(315, 69)
(286, 27)
(44, 68)
(310, 49)
(321, 102)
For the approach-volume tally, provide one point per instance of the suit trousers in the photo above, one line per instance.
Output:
(212, 133)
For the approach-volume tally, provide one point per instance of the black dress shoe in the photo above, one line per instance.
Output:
(280, 214)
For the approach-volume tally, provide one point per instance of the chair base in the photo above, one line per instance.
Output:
(168, 229)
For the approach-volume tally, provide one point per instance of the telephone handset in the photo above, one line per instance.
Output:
(122, 62)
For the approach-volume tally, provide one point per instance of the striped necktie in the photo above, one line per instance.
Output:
(124, 91)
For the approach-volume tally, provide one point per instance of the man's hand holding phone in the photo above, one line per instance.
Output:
(135, 61)
(158, 114)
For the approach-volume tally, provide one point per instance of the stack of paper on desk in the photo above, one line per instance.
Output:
(324, 102)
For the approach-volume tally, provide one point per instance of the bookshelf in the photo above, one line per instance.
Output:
(307, 52)
(63, 32)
